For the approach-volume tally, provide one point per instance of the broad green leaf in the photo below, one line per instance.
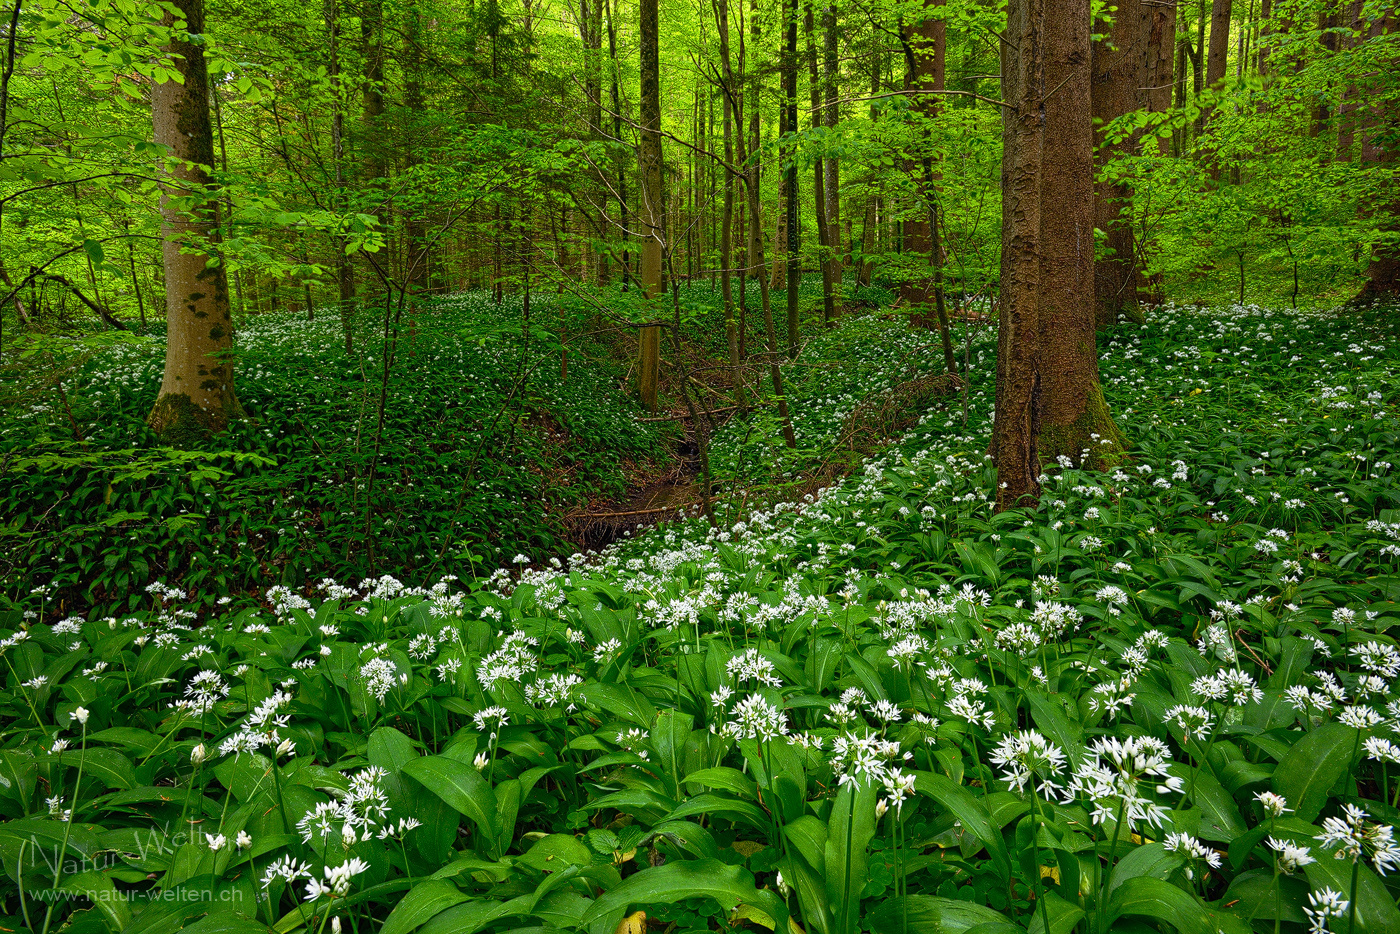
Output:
(1306, 775)
(461, 786)
(932, 914)
(427, 899)
(675, 882)
(1146, 897)
(971, 813)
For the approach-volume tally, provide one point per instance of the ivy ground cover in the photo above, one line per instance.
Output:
(1163, 701)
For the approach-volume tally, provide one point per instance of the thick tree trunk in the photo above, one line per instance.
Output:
(1381, 147)
(653, 217)
(1120, 82)
(196, 395)
(1049, 405)
(1016, 427)
(1219, 55)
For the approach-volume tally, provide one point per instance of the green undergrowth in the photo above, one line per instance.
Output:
(481, 446)
(1164, 700)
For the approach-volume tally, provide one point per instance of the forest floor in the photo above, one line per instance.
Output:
(501, 435)
(1166, 696)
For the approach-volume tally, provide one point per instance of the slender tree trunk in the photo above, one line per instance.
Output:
(755, 234)
(196, 395)
(344, 272)
(819, 201)
(653, 218)
(925, 44)
(794, 259)
(728, 91)
(616, 95)
(1218, 56)
(831, 180)
(417, 259)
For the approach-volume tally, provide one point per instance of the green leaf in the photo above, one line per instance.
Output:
(971, 813)
(674, 882)
(97, 887)
(726, 779)
(1375, 909)
(1143, 896)
(461, 786)
(106, 765)
(1306, 775)
(932, 914)
(425, 900)
(850, 829)
(1064, 915)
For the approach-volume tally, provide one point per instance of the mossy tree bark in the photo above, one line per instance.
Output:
(1050, 406)
(653, 218)
(196, 395)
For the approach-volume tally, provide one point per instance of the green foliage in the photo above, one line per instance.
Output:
(882, 710)
(476, 426)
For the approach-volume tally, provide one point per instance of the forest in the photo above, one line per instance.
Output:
(613, 466)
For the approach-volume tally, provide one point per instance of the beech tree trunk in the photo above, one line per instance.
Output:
(653, 217)
(831, 180)
(344, 272)
(1121, 79)
(755, 235)
(416, 259)
(925, 44)
(794, 262)
(729, 92)
(1049, 407)
(1381, 147)
(196, 395)
(819, 201)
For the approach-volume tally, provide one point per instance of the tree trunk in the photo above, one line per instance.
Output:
(1049, 403)
(729, 90)
(755, 234)
(831, 180)
(794, 261)
(416, 260)
(653, 219)
(196, 395)
(344, 272)
(819, 201)
(1380, 147)
(1121, 78)
(925, 44)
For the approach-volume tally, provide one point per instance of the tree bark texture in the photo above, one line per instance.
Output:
(925, 45)
(1049, 403)
(1122, 71)
(1380, 145)
(196, 395)
(653, 217)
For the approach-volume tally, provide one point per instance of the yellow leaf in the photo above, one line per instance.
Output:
(635, 923)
